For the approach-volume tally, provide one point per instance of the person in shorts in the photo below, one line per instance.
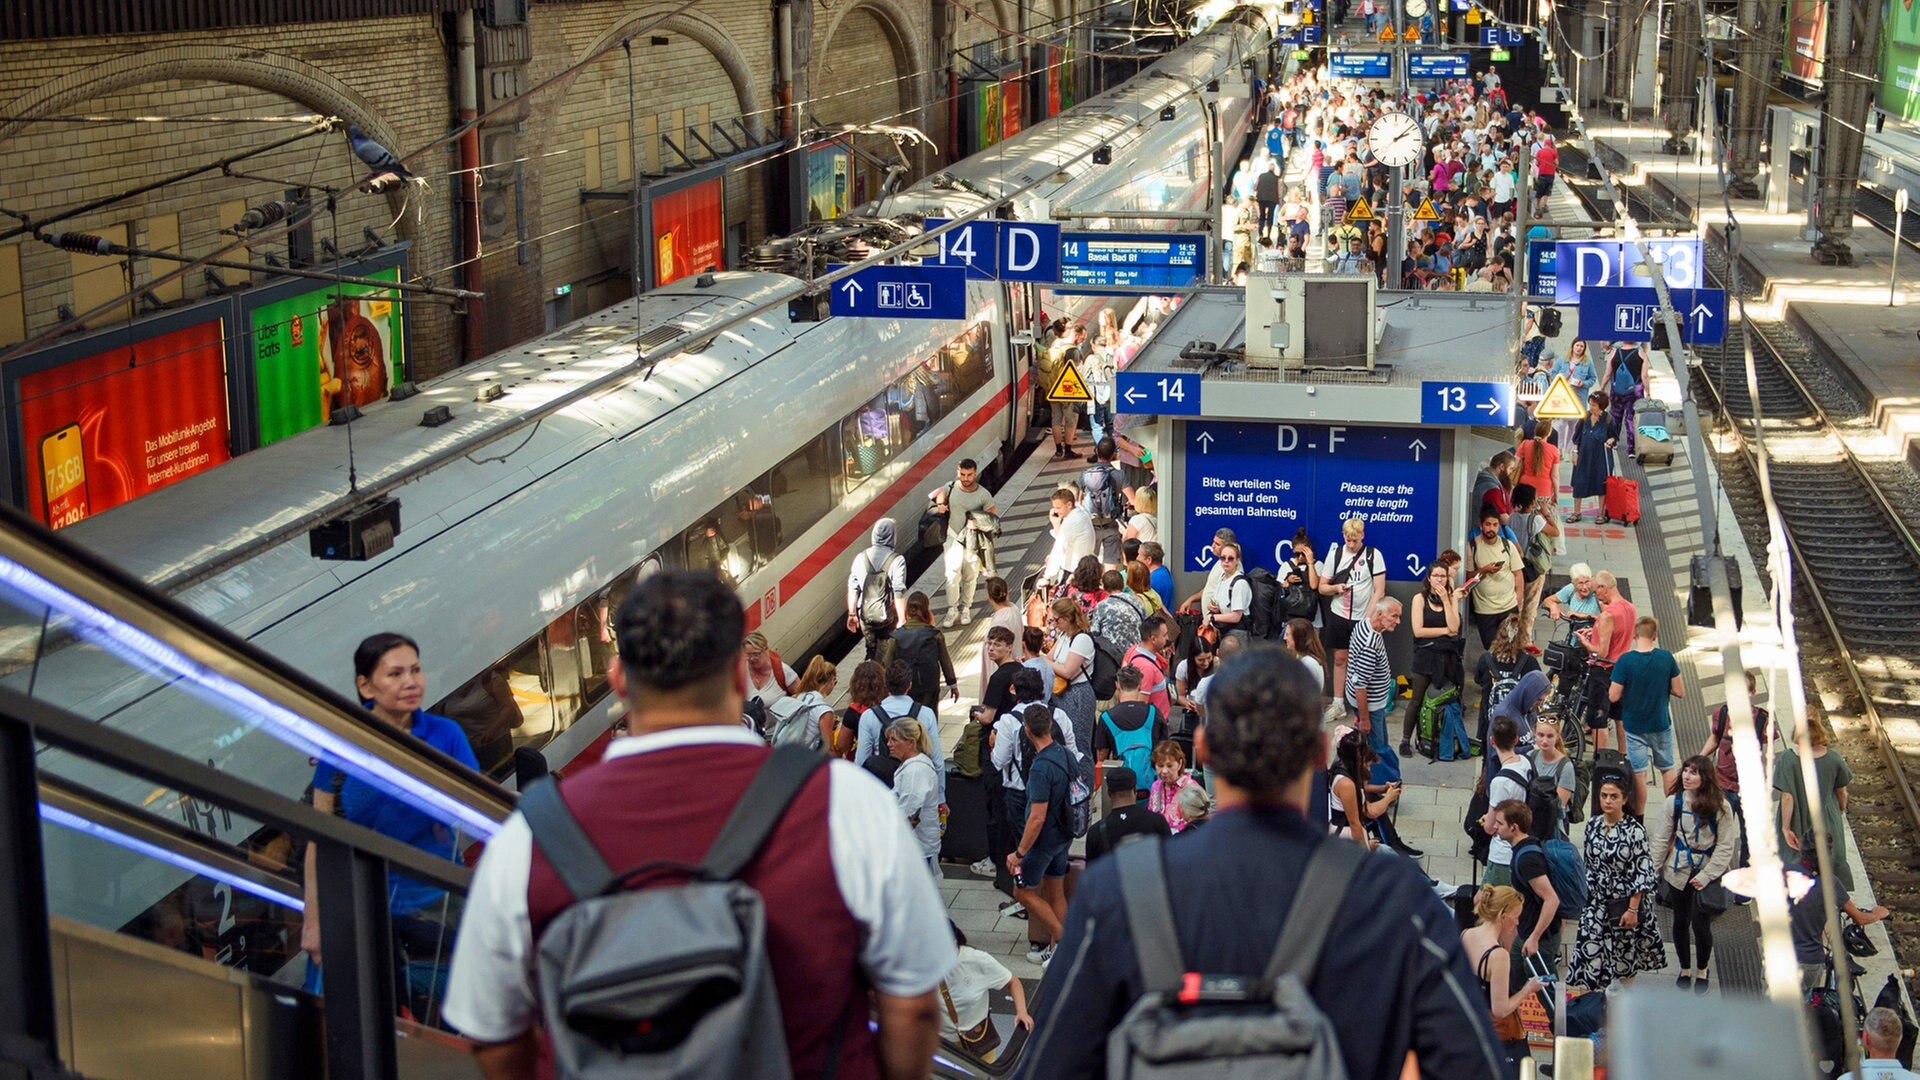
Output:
(1645, 679)
(1038, 861)
(1354, 576)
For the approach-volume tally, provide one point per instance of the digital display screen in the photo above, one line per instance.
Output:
(1169, 260)
(1368, 65)
(1429, 65)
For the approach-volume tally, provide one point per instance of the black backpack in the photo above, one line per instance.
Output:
(1107, 658)
(1543, 798)
(1261, 621)
(919, 647)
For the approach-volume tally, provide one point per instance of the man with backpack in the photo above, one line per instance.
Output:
(1128, 732)
(817, 892)
(1104, 495)
(1126, 815)
(899, 704)
(1258, 917)
(1508, 782)
(1539, 932)
(877, 589)
(1039, 857)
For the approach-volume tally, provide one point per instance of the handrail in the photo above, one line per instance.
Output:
(113, 610)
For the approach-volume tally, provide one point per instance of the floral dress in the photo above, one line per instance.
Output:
(1618, 865)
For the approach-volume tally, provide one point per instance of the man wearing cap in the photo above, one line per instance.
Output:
(1125, 816)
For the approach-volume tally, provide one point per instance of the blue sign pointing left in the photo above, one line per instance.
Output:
(901, 292)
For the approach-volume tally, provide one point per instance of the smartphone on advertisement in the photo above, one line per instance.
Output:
(64, 476)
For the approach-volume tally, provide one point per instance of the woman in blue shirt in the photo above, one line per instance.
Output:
(1580, 375)
(390, 684)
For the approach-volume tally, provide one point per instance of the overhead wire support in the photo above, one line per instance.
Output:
(89, 244)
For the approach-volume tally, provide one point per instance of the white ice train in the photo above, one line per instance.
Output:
(767, 450)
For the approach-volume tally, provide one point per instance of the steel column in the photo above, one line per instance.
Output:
(1680, 91)
(29, 1028)
(1853, 47)
(356, 951)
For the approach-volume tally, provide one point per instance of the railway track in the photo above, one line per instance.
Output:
(1850, 522)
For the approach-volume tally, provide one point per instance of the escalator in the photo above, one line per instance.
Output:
(153, 834)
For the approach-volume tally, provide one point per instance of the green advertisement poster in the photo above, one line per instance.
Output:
(1900, 80)
(1903, 23)
(324, 350)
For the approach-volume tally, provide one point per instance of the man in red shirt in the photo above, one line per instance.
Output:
(854, 926)
(1546, 162)
(1150, 656)
(1609, 638)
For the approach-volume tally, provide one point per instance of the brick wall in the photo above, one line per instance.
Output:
(374, 71)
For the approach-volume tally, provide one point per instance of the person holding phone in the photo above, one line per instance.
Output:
(1489, 946)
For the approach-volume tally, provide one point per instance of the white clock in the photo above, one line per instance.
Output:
(1396, 139)
(1416, 8)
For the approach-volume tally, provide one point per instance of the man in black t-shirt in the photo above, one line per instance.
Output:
(1539, 930)
(998, 694)
(1125, 816)
(997, 699)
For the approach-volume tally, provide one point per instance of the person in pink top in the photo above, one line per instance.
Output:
(1163, 798)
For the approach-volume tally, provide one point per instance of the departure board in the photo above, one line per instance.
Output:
(1164, 260)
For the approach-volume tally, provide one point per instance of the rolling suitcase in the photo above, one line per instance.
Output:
(1623, 500)
(1654, 444)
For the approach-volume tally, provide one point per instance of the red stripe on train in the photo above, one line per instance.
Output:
(858, 528)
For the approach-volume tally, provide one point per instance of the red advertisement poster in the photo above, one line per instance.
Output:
(1806, 51)
(1056, 75)
(1012, 92)
(114, 426)
(689, 231)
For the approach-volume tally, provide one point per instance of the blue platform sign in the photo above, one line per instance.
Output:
(1165, 260)
(1007, 250)
(1264, 481)
(1157, 393)
(1500, 37)
(1437, 65)
(1489, 403)
(1360, 65)
(1543, 262)
(1630, 314)
(901, 292)
(1314, 34)
(1582, 264)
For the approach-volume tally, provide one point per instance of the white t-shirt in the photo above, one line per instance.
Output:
(770, 692)
(1234, 594)
(974, 976)
(1502, 186)
(1080, 644)
(1499, 790)
(1006, 742)
(1319, 673)
(1366, 563)
(1145, 528)
(959, 503)
(880, 872)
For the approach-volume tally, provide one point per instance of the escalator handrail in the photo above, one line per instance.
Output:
(77, 735)
(41, 559)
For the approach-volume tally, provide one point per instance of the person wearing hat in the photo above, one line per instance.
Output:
(1125, 816)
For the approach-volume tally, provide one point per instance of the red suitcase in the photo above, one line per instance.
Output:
(1623, 500)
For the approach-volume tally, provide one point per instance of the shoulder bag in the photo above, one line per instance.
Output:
(979, 1040)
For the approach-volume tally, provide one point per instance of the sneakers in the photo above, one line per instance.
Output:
(952, 620)
(1013, 909)
(1040, 956)
(1406, 748)
(983, 868)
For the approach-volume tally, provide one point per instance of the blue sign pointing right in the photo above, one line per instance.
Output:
(1629, 314)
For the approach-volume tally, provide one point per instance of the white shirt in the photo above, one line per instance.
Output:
(1145, 528)
(974, 976)
(1365, 563)
(870, 737)
(1234, 594)
(770, 691)
(1006, 740)
(878, 868)
(1073, 540)
(1502, 186)
(1870, 1068)
(1081, 645)
(917, 789)
(1499, 790)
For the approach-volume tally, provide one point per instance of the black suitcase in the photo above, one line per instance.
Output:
(966, 837)
(1610, 765)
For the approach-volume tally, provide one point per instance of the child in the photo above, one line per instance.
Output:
(1170, 764)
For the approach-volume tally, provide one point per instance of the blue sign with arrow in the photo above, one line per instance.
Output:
(1007, 250)
(1489, 403)
(901, 292)
(1264, 481)
(1630, 314)
(1157, 393)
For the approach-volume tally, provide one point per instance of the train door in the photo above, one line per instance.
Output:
(1018, 343)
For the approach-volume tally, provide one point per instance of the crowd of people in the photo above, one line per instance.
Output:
(1243, 733)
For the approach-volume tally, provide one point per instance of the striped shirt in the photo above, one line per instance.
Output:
(1367, 666)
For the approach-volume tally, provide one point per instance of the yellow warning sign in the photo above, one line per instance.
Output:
(1560, 402)
(1069, 387)
(1360, 211)
(1386, 34)
(1473, 16)
(1412, 33)
(1426, 211)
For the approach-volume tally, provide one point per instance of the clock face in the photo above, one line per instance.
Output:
(1395, 138)
(1416, 8)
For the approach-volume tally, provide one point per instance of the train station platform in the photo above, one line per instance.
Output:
(1843, 312)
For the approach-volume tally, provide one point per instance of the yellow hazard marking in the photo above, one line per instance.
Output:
(1359, 211)
(1559, 402)
(1412, 33)
(1426, 211)
(1387, 34)
(1473, 16)
(1069, 387)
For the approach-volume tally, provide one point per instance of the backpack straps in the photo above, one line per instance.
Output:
(558, 835)
(1143, 886)
(767, 797)
(1322, 891)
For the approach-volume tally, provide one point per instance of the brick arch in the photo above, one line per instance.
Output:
(708, 35)
(909, 50)
(274, 73)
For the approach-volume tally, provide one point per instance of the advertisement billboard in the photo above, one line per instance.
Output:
(829, 180)
(987, 121)
(1056, 76)
(1806, 44)
(108, 428)
(1012, 96)
(689, 230)
(324, 350)
(1900, 61)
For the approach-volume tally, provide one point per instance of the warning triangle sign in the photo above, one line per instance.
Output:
(1426, 211)
(1411, 33)
(1387, 34)
(1560, 402)
(1360, 211)
(1069, 387)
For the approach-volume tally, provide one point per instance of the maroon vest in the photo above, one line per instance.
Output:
(669, 805)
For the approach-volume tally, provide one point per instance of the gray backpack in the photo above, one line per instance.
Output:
(668, 982)
(1192, 1027)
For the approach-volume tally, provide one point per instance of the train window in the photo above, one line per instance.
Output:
(867, 440)
(799, 492)
(487, 710)
(720, 542)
